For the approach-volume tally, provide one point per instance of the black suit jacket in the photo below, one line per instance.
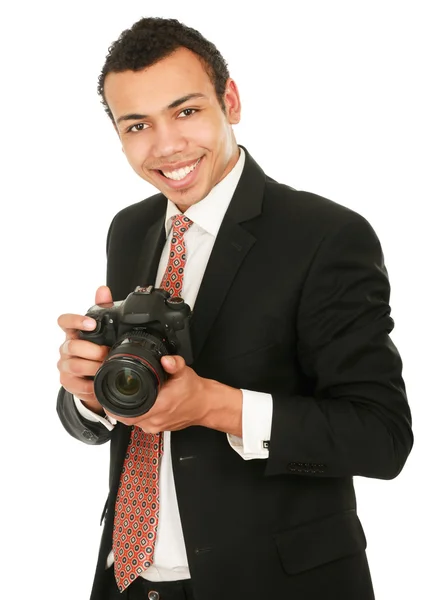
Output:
(294, 302)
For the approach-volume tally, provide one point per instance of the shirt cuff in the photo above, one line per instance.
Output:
(108, 422)
(257, 414)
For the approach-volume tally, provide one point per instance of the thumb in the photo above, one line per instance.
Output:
(172, 364)
(103, 295)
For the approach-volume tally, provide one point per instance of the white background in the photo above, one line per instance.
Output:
(343, 99)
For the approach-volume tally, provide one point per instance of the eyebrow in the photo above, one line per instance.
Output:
(174, 104)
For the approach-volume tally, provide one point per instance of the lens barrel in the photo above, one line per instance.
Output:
(128, 382)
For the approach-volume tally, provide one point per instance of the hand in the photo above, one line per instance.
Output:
(179, 404)
(187, 399)
(80, 358)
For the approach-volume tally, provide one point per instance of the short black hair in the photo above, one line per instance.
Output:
(150, 40)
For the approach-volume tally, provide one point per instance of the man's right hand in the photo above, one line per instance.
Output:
(80, 358)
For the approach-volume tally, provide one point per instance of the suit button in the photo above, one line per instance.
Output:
(293, 466)
(153, 595)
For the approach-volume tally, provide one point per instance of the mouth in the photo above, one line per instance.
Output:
(182, 177)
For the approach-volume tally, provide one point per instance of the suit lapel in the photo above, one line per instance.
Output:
(232, 244)
(230, 249)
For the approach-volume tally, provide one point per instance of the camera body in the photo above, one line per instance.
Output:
(141, 329)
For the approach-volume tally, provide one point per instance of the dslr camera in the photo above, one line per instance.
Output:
(141, 329)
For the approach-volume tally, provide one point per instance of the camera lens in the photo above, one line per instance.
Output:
(127, 382)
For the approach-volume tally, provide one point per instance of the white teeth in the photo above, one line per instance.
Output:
(180, 173)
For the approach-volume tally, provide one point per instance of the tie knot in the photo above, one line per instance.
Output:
(181, 224)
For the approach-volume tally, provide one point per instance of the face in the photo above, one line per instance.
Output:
(172, 128)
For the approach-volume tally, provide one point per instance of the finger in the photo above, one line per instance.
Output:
(83, 349)
(125, 420)
(112, 416)
(103, 295)
(79, 367)
(173, 364)
(148, 427)
(77, 385)
(149, 423)
(72, 323)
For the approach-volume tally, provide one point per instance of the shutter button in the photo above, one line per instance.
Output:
(153, 595)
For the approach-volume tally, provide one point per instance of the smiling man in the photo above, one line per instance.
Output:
(238, 481)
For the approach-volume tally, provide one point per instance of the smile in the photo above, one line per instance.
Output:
(180, 173)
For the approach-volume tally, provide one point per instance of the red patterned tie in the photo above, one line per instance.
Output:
(137, 501)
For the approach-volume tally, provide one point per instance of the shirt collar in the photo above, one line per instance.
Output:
(209, 212)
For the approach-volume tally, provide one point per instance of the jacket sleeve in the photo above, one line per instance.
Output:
(80, 428)
(357, 421)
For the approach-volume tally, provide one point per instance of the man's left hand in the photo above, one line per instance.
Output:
(187, 399)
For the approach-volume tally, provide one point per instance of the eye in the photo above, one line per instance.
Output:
(137, 127)
(191, 110)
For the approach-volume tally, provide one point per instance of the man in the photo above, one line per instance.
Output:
(295, 385)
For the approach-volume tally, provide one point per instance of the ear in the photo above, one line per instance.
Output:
(232, 102)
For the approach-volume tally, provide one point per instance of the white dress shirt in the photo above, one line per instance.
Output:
(170, 561)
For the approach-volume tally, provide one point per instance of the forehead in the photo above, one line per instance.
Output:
(157, 86)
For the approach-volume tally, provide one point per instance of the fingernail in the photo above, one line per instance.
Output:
(89, 324)
(170, 360)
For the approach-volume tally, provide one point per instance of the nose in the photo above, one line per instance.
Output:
(168, 141)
